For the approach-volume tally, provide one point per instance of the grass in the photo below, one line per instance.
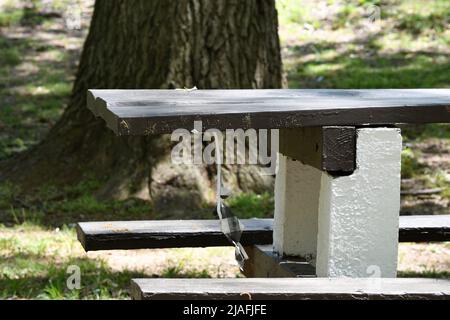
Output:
(344, 50)
(408, 47)
(36, 75)
(410, 163)
(36, 262)
(10, 17)
(251, 205)
(54, 207)
(425, 274)
(347, 70)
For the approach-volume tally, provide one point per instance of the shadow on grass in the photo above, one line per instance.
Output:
(35, 278)
(35, 83)
(360, 64)
(28, 276)
(424, 274)
(51, 207)
(46, 280)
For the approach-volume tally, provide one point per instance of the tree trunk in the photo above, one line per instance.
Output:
(153, 44)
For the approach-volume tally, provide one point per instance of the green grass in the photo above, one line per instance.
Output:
(351, 69)
(425, 274)
(34, 263)
(178, 271)
(410, 51)
(251, 205)
(30, 12)
(9, 56)
(52, 206)
(420, 133)
(35, 79)
(44, 280)
(28, 116)
(10, 17)
(410, 163)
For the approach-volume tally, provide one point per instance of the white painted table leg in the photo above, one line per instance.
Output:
(347, 225)
(297, 191)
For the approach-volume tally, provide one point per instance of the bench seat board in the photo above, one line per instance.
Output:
(424, 228)
(167, 234)
(144, 112)
(110, 235)
(289, 288)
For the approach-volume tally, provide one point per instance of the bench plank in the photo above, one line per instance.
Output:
(288, 288)
(424, 228)
(111, 235)
(144, 112)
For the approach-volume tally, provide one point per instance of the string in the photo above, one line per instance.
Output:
(230, 225)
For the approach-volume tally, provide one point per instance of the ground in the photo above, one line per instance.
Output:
(325, 44)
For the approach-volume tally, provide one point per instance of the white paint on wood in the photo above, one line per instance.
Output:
(297, 190)
(359, 214)
(350, 223)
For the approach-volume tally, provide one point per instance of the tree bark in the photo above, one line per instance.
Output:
(152, 44)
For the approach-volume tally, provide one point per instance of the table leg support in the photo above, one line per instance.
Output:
(345, 225)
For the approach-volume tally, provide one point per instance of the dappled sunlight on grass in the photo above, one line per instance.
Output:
(353, 70)
(424, 260)
(36, 73)
(56, 207)
(34, 261)
(251, 205)
(323, 46)
(408, 49)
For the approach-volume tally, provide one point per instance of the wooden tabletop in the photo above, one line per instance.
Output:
(144, 112)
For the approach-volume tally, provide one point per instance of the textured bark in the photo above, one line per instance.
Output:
(152, 44)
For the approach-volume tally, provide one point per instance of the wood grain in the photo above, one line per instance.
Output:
(145, 112)
(264, 263)
(111, 235)
(289, 288)
(167, 234)
(329, 148)
(424, 228)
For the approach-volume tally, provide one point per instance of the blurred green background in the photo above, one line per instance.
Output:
(325, 44)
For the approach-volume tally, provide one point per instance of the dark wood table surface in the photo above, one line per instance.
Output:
(144, 112)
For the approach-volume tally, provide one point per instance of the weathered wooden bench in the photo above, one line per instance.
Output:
(116, 235)
(337, 189)
(143, 112)
(316, 288)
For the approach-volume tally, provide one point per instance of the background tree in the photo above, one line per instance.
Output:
(154, 44)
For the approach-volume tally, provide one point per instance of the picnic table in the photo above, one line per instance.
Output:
(337, 188)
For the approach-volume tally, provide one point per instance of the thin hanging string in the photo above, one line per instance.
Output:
(219, 176)
(230, 225)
